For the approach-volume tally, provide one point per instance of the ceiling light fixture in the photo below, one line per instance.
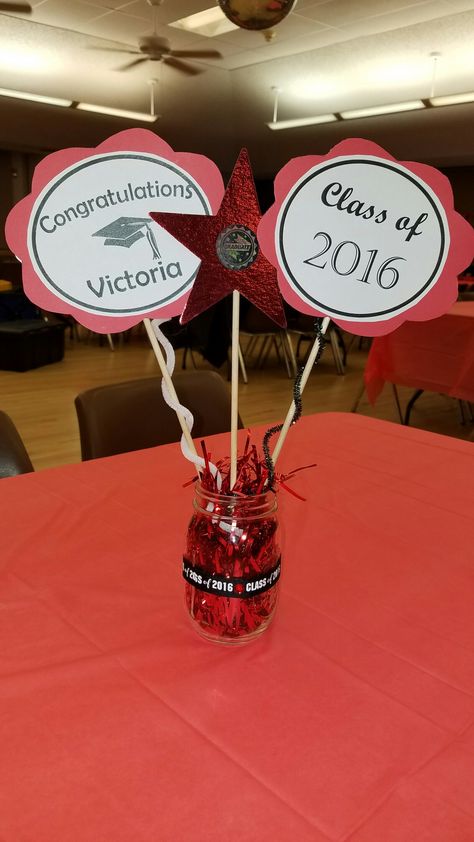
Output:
(453, 99)
(116, 112)
(277, 124)
(209, 23)
(86, 106)
(46, 100)
(375, 111)
(303, 121)
(450, 99)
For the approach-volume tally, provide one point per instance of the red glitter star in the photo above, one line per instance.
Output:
(228, 249)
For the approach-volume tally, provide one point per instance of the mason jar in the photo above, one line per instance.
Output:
(231, 565)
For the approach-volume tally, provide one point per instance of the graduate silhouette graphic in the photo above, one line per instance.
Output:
(126, 230)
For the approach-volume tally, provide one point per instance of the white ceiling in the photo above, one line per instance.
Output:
(327, 56)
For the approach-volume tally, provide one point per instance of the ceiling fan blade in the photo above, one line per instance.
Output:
(182, 66)
(115, 50)
(22, 8)
(195, 54)
(131, 64)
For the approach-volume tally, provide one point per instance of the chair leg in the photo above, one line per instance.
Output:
(242, 365)
(341, 344)
(397, 401)
(285, 356)
(259, 362)
(410, 405)
(268, 345)
(111, 342)
(250, 347)
(288, 363)
(336, 352)
(465, 411)
(298, 346)
(358, 399)
(74, 332)
(291, 353)
(274, 341)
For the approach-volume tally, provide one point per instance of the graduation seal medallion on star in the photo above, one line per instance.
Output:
(237, 247)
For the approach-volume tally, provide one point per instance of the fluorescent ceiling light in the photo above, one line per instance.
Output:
(453, 99)
(303, 121)
(394, 108)
(47, 100)
(210, 22)
(117, 112)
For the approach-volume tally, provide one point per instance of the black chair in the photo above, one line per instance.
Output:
(302, 326)
(128, 416)
(14, 458)
(260, 328)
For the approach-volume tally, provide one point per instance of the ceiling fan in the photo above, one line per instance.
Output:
(20, 8)
(155, 48)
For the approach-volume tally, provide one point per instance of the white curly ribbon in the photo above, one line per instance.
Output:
(198, 461)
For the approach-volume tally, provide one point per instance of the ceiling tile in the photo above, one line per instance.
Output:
(36, 2)
(291, 46)
(70, 15)
(303, 4)
(222, 47)
(293, 27)
(296, 25)
(241, 59)
(344, 12)
(461, 6)
(102, 6)
(433, 10)
(117, 27)
(172, 10)
(244, 38)
(182, 40)
(140, 9)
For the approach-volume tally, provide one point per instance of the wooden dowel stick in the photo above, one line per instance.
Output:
(304, 379)
(234, 414)
(166, 377)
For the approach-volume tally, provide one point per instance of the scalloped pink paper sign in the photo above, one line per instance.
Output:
(365, 239)
(85, 238)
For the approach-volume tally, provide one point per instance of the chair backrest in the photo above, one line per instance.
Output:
(128, 416)
(256, 322)
(14, 458)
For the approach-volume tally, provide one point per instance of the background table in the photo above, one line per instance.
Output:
(437, 356)
(352, 718)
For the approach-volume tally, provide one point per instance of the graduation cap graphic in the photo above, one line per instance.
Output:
(126, 230)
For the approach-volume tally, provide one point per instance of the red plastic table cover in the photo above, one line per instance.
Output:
(352, 718)
(437, 356)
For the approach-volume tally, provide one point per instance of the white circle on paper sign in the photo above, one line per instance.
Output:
(361, 238)
(93, 244)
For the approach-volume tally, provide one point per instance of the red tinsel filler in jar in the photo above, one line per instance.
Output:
(231, 564)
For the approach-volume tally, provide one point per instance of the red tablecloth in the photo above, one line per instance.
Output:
(437, 355)
(351, 719)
